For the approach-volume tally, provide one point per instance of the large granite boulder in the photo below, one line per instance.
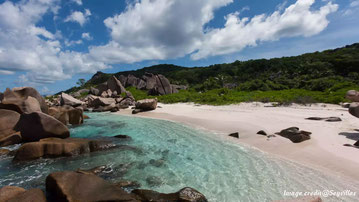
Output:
(69, 100)
(28, 91)
(354, 109)
(37, 125)
(186, 194)
(14, 138)
(150, 80)
(115, 85)
(67, 114)
(123, 79)
(8, 121)
(57, 147)
(163, 85)
(75, 186)
(141, 84)
(102, 87)
(30, 195)
(94, 101)
(295, 135)
(353, 95)
(15, 102)
(146, 104)
(8, 192)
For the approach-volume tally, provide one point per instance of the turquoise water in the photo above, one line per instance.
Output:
(170, 156)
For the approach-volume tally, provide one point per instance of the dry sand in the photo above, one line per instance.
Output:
(324, 151)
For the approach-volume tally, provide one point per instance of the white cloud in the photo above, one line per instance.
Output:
(298, 19)
(152, 30)
(79, 2)
(146, 30)
(86, 36)
(71, 43)
(79, 17)
(156, 29)
(28, 48)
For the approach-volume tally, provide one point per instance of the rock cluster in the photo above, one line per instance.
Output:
(73, 186)
(295, 135)
(24, 118)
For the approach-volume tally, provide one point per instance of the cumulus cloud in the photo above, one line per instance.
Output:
(79, 17)
(86, 36)
(146, 30)
(25, 47)
(169, 36)
(156, 29)
(296, 20)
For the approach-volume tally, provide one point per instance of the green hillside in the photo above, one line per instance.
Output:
(312, 77)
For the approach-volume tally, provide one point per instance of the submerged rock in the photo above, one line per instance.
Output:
(295, 135)
(56, 147)
(123, 137)
(186, 194)
(95, 171)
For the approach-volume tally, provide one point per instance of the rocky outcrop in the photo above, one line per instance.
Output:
(186, 194)
(8, 121)
(16, 102)
(56, 147)
(69, 100)
(295, 135)
(37, 125)
(115, 85)
(74, 186)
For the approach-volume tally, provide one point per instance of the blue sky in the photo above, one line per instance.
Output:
(50, 44)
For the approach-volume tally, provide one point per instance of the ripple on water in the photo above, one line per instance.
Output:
(172, 156)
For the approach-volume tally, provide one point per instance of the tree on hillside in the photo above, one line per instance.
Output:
(81, 82)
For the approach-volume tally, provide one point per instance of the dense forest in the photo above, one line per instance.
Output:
(312, 77)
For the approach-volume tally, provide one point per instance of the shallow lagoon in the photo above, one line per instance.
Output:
(170, 156)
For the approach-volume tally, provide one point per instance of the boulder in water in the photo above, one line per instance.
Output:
(8, 121)
(37, 125)
(186, 194)
(235, 135)
(56, 147)
(8, 192)
(74, 186)
(15, 102)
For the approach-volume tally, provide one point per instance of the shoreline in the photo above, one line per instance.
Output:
(323, 152)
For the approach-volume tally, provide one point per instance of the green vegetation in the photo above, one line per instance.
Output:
(313, 77)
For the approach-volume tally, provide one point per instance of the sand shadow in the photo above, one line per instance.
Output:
(352, 136)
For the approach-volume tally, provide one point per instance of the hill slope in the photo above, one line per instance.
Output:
(325, 72)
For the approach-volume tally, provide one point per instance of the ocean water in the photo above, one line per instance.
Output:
(170, 156)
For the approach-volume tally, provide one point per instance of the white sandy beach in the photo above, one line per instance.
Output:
(324, 151)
